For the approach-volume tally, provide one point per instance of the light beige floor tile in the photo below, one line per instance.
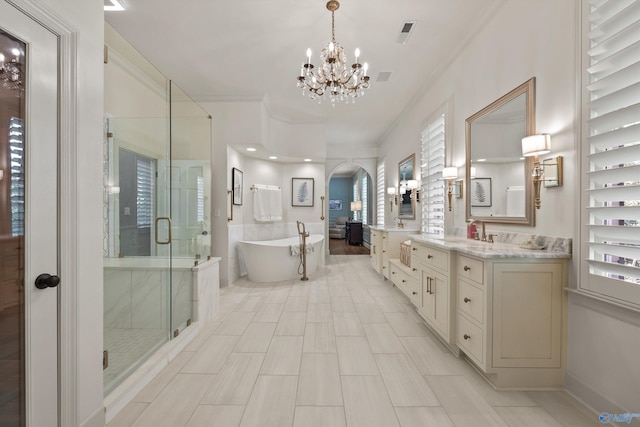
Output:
(320, 295)
(492, 396)
(430, 360)
(283, 356)
(319, 416)
(300, 289)
(234, 383)
(211, 356)
(361, 296)
(256, 338)
(433, 416)
(527, 417)
(319, 313)
(269, 313)
(342, 304)
(128, 415)
(366, 403)
(370, 313)
(291, 323)
(464, 405)
(404, 383)
(151, 390)
(176, 403)
(565, 408)
(391, 304)
(319, 382)
(216, 416)
(355, 356)
(382, 339)
(249, 303)
(338, 289)
(405, 326)
(272, 402)
(382, 290)
(297, 303)
(278, 296)
(319, 338)
(347, 324)
(203, 336)
(235, 323)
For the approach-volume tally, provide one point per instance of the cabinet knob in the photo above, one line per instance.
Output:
(414, 249)
(384, 252)
(467, 268)
(414, 293)
(414, 269)
(393, 272)
(403, 281)
(466, 299)
(467, 337)
(429, 256)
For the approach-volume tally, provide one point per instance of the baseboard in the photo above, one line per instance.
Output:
(589, 397)
(95, 420)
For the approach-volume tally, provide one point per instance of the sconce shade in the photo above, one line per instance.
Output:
(536, 144)
(356, 206)
(412, 184)
(391, 190)
(450, 173)
(473, 172)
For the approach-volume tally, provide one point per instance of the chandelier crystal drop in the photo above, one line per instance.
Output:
(11, 74)
(333, 79)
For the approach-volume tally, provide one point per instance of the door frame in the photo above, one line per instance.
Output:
(67, 218)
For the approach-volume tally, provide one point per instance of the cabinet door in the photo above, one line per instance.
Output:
(428, 301)
(440, 293)
(527, 315)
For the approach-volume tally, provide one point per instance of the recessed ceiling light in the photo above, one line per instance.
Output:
(482, 160)
(273, 157)
(112, 6)
(307, 160)
(251, 149)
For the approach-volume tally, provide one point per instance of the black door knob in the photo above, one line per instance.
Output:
(45, 280)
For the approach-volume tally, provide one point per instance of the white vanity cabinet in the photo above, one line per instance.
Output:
(385, 246)
(511, 318)
(431, 268)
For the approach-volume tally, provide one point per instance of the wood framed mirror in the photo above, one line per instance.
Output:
(498, 179)
(406, 194)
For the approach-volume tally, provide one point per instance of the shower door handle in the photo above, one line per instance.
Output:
(165, 218)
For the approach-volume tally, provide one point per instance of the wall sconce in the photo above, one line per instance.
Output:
(535, 145)
(414, 186)
(392, 192)
(450, 174)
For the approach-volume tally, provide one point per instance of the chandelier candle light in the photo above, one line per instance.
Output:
(333, 79)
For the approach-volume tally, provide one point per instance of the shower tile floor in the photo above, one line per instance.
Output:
(345, 349)
(127, 349)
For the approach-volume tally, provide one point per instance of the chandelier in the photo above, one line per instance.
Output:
(11, 73)
(333, 79)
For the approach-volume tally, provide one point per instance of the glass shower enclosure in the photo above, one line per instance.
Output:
(157, 186)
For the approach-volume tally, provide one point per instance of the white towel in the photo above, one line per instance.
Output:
(267, 205)
(296, 249)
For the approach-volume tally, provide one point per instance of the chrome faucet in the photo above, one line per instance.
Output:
(400, 224)
(484, 234)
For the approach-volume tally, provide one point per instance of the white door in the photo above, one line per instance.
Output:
(30, 215)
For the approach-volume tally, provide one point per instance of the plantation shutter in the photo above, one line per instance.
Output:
(144, 193)
(432, 163)
(380, 192)
(612, 148)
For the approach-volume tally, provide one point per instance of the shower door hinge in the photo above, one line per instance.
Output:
(176, 333)
(105, 359)
(188, 322)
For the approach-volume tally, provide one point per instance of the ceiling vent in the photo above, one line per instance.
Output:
(383, 76)
(405, 32)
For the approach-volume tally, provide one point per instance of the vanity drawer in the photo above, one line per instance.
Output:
(471, 301)
(470, 338)
(430, 256)
(401, 278)
(470, 268)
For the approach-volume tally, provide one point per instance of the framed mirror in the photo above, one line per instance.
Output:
(407, 190)
(498, 178)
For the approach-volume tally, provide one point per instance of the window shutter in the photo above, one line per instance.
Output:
(380, 193)
(612, 123)
(432, 163)
(144, 193)
(365, 199)
(16, 152)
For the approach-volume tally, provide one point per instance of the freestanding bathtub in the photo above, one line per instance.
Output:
(272, 260)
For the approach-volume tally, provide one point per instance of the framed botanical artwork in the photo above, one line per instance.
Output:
(236, 184)
(335, 205)
(302, 192)
(481, 192)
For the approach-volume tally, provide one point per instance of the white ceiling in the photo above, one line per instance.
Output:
(253, 49)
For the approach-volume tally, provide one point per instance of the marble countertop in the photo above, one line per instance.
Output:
(395, 229)
(485, 249)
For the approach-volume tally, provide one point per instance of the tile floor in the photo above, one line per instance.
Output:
(344, 349)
